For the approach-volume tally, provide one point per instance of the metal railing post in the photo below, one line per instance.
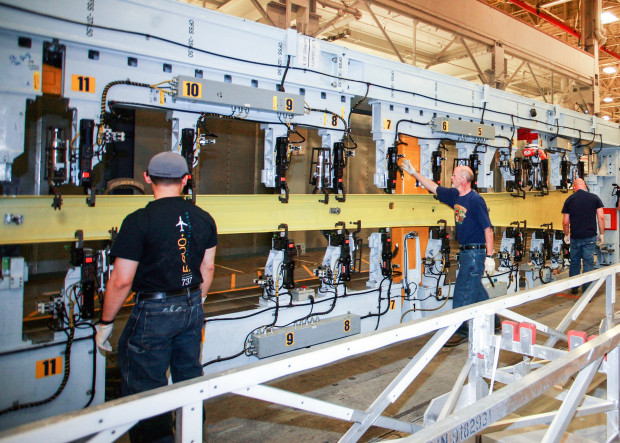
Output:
(610, 300)
(189, 423)
(613, 394)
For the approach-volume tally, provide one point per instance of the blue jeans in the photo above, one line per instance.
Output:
(468, 288)
(581, 249)
(160, 334)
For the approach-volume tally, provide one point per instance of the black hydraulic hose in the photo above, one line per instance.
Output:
(93, 389)
(63, 383)
(379, 313)
(278, 66)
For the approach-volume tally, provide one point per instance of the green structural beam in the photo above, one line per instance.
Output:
(261, 213)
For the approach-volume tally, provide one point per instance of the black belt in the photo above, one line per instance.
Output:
(467, 247)
(163, 295)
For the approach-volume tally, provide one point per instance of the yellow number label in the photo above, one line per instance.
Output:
(392, 305)
(289, 104)
(36, 81)
(479, 130)
(192, 90)
(290, 338)
(347, 325)
(83, 83)
(45, 368)
(445, 126)
(387, 124)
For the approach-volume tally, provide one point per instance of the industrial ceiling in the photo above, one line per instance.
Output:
(402, 30)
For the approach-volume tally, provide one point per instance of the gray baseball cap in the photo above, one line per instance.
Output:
(168, 165)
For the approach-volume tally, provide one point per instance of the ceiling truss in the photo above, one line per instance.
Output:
(386, 28)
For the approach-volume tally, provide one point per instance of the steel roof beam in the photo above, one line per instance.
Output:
(481, 75)
(480, 22)
(440, 54)
(387, 37)
(542, 93)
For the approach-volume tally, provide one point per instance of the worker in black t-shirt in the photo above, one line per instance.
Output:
(582, 211)
(164, 253)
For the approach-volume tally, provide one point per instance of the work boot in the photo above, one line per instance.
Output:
(455, 340)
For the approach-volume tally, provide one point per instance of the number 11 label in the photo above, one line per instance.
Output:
(51, 366)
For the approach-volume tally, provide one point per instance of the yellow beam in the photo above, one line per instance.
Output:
(262, 213)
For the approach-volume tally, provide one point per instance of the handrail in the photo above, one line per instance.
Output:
(109, 419)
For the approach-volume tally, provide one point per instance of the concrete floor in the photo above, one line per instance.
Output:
(356, 382)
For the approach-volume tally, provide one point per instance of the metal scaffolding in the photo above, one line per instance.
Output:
(466, 410)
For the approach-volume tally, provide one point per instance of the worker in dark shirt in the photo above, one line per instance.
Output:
(165, 254)
(474, 233)
(582, 211)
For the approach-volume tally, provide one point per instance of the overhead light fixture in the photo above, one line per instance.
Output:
(344, 34)
(605, 117)
(607, 17)
(608, 99)
(609, 70)
(554, 3)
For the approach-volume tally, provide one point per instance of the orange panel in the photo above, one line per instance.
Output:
(411, 150)
(398, 235)
(407, 185)
(51, 80)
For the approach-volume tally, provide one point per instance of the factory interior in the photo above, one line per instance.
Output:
(330, 311)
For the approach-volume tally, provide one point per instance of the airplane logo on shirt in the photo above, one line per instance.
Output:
(181, 223)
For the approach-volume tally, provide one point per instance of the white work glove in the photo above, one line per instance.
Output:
(103, 335)
(567, 239)
(407, 167)
(489, 265)
(600, 240)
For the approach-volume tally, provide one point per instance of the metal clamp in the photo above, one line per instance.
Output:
(13, 218)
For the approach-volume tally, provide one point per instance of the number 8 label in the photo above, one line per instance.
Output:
(347, 325)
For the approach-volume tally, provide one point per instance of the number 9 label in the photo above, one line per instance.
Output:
(290, 338)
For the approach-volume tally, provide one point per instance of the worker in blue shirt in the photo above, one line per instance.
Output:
(474, 233)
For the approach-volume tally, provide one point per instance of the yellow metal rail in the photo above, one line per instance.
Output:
(262, 213)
